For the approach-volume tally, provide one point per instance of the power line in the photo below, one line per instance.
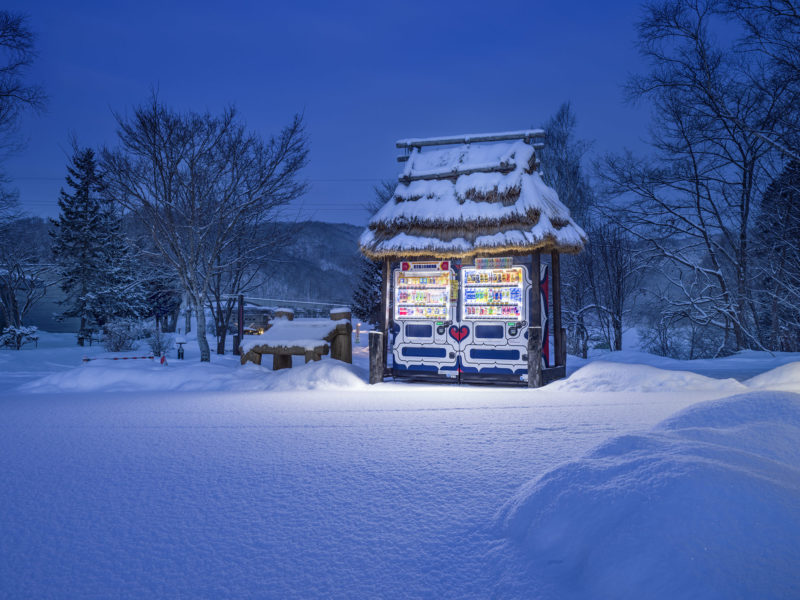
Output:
(334, 180)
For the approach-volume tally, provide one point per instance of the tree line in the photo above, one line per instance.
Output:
(184, 206)
(696, 243)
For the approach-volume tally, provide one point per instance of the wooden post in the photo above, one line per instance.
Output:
(342, 343)
(536, 298)
(281, 361)
(239, 327)
(535, 356)
(386, 303)
(376, 358)
(563, 362)
(558, 331)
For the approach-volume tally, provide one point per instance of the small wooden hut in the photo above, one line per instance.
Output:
(467, 197)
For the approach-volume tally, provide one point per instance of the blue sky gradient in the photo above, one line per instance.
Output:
(364, 73)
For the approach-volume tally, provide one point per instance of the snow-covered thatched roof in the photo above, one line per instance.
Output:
(468, 195)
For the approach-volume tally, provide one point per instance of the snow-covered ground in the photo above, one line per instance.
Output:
(126, 478)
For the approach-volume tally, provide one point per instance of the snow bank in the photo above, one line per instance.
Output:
(706, 505)
(741, 366)
(127, 376)
(602, 376)
(786, 378)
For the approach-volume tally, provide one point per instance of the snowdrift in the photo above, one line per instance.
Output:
(706, 505)
(133, 376)
(786, 378)
(603, 376)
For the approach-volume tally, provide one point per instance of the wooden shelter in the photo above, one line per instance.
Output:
(474, 196)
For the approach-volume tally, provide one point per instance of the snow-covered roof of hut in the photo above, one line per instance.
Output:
(467, 195)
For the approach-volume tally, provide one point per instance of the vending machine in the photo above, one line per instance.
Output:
(494, 313)
(424, 310)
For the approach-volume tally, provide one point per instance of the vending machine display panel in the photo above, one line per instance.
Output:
(422, 291)
(493, 294)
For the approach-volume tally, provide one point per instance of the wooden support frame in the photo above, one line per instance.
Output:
(535, 356)
(535, 326)
(386, 307)
(378, 340)
(560, 349)
(377, 346)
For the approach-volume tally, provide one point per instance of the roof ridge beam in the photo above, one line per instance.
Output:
(524, 134)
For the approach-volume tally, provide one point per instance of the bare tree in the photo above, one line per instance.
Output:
(197, 181)
(777, 239)
(25, 272)
(256, 244)
(694, 201)
(773, 33)
(16, 95)
(614, 268)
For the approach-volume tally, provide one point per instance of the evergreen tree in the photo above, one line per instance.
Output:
(77, 254)
(94, 263)
(367, 294)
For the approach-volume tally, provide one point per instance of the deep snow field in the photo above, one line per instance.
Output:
(636, 477)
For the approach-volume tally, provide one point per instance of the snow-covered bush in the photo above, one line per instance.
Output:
(160, 342)
(16, 337)
(120, 335)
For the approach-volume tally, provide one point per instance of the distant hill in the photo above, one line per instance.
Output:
(321, 263)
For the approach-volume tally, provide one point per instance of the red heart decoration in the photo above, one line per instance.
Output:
(459, 333)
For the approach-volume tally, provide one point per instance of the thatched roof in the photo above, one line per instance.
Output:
(482, 195)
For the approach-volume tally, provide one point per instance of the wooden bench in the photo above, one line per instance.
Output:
(335, 336)
(282, 355)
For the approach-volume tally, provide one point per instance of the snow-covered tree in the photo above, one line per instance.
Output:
(92, 258)
(613, 268)
(366, 302)
(25, 270)
(562, 169)
(777, 240)
(197, 181)
(693, 202)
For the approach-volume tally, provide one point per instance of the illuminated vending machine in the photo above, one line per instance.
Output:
(493, 320)
(423, 313)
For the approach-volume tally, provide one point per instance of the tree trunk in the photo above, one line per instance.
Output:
(202, 341)
(171, 321)
(582, 335)
(617, 333)
(222, 333)
(188, 315)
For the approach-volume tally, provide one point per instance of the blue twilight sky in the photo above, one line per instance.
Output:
(364, 73)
